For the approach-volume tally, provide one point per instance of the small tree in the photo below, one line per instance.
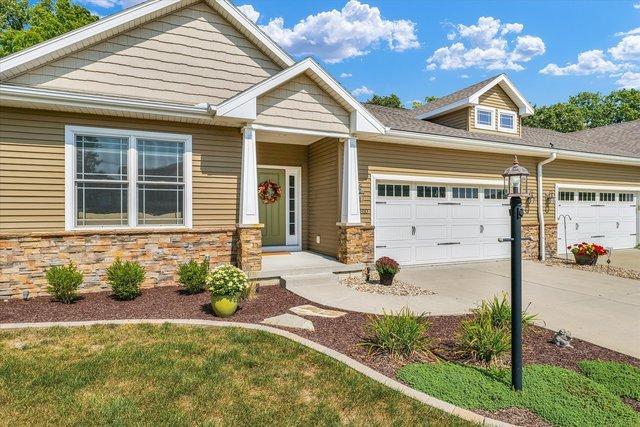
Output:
(391, 101)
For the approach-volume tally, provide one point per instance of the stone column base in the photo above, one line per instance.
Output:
(530, 249)
(355, 243)
(249, 249)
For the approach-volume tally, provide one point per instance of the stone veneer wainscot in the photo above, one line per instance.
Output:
(24, 257)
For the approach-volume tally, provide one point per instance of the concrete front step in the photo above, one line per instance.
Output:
(304, 271)
(304, 280)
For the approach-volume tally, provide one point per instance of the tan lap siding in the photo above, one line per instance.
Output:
(32, 167)
(374, 157)
(270, 154)
(583, 173)
(151, 61)
(496, 98)
(324, 196)
(458, 119)
(302, 104)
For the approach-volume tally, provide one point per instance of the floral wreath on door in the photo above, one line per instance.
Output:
(269, 192)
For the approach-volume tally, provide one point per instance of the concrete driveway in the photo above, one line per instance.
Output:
(596, 307)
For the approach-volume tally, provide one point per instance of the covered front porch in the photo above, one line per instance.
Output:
(299, 192)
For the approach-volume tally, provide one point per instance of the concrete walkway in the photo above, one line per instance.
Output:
(602, 309)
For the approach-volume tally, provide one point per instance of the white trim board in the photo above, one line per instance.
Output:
(70, 175)
(573, 186)
(525, 109)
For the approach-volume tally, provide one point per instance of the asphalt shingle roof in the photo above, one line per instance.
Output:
(618, 140)
(453, 97)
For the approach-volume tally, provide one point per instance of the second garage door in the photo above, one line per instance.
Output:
(418, 223)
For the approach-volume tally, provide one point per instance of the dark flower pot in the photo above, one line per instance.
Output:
(586, 259)
(386, 279)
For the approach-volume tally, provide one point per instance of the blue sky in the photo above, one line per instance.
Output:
(550, 49)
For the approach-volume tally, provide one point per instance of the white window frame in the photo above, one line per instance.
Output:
(515, 121)
(491, 111)
(70, 133)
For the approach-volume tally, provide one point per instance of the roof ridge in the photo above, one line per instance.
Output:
(604, 126)
(452, 94)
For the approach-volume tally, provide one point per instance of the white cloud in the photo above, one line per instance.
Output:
(636, 6)
(589, 62)
(464, 76)
(432, 78)
(362, 91)
(250, 12)
(336, 35)
(629, 80)
(484, 45)
(628, 49)
(345, 75)
(107, 4)
(628, 33)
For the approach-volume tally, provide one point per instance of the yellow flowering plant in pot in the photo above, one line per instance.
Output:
(228, 285)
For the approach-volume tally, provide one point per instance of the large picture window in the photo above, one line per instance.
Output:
(118, 178)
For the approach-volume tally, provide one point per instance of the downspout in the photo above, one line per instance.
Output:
(541, 237)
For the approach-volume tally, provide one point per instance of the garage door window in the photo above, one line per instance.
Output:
(584, 196)
(431, 192)
(607, 197)
(567, 196)
(465, 193)
(494, 194)
(625, 197)
(393, 190)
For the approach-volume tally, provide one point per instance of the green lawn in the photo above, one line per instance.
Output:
(560, 396)
(619, 378)
(170, 375)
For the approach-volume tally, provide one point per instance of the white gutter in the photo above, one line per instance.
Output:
(541, 234)
(106, 103)
(461, 143)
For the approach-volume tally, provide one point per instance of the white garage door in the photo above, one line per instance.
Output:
(417, 223)
(606, 218)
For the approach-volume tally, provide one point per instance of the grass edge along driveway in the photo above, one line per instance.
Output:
(182, 375)
(559, 396)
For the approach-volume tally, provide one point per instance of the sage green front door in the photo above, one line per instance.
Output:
(273, 215)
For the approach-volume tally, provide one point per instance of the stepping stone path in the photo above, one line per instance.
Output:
(290, 321)
(312, 310)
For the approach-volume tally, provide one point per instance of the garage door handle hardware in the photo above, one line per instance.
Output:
(482, 229)
(597, 236)
(413, 230)
(509, 239)
(617, 224)
(383, 246)
(450, 203)
(577, 225)
(598, 206)
(448, 243)
(381, 203)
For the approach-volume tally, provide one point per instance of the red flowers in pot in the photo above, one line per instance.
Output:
(587, 253)
(387, 268)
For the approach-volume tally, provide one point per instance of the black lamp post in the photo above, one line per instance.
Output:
(516, 186)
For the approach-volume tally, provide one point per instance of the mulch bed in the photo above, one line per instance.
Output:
(342, 334)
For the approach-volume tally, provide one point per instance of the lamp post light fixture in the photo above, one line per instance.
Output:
(516, 186)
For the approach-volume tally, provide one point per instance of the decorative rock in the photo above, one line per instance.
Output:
(311, 310)
(289, 321)
(563, 339)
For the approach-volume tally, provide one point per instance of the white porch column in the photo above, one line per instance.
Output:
(249, 178)
(350, 187)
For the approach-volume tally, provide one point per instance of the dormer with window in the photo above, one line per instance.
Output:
(491, 106)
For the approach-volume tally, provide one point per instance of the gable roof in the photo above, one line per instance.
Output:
(627, 144)
(243, 105)
(471, 96)
(105, 28)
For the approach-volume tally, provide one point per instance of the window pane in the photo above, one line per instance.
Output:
(506, 121)
(99, 204)
(160, 160)
(443, 192)
(420, 189)
(389, 190)
(484, 117)
(160, 204)
(405, 191)
(101, 157)
(465, 193)
(381, 188)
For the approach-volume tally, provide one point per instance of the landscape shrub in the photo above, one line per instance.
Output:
(401, 334)
(480, 340)
(63, 282)
(229, 282)
(193, 276)
(498, 312)
(620, 379)
(125, 279)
